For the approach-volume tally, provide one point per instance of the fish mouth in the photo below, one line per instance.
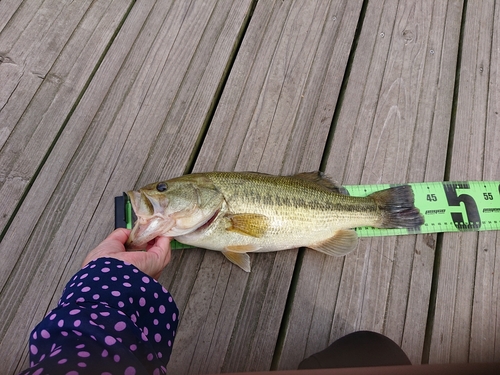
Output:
(149, 224)
(146, 230)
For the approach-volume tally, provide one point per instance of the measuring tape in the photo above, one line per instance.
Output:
(446, 207)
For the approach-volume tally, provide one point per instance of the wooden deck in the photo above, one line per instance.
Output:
(99, 97)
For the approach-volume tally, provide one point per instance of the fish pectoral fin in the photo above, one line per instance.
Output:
(343, 242)
(254, 225)
(238, 255)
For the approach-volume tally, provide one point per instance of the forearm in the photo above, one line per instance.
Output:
(111, 317)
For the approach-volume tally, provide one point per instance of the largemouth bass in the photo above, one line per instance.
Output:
(243, 212)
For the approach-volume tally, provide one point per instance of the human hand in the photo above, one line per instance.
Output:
(152, 261)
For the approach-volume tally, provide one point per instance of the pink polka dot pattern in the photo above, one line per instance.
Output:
(111, 319)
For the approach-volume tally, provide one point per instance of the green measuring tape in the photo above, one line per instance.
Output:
(446, 207)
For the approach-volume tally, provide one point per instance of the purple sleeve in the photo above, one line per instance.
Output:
(111, 319)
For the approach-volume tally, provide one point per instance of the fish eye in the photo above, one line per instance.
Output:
(161, 187)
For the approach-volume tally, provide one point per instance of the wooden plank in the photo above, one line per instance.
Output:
(274, 116)
(37, 31)
(7, 9)
(48, 109)
(466, 309)
(485, 332)
(43, 86)
(161, 60)
(392, 127)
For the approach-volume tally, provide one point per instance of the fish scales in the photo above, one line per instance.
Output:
(292, 197)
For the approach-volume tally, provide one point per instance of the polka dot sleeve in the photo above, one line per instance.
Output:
(111, 319)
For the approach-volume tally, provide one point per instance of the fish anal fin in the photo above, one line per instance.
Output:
(238, 257)
(254, 225)
(320, 179)
(343, 242)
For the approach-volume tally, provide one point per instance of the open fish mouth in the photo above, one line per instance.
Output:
(146, 230)
(149, 224)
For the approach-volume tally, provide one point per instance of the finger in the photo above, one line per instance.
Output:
(120, 234)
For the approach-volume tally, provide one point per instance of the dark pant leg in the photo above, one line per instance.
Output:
(358, 349)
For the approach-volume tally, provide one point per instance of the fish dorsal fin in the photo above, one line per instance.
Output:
(320, 179)
(343, 242)
(237, 254)
(254, 225)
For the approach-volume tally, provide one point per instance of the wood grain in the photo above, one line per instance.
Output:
(466, 294)
(394, 117)
(44, 85)
(48, 110)
(485, 332)
(36, 33)
(7, 9)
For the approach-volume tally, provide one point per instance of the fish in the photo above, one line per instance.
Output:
(238, 213)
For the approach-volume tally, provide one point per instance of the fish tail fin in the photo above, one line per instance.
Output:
(397, 207)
